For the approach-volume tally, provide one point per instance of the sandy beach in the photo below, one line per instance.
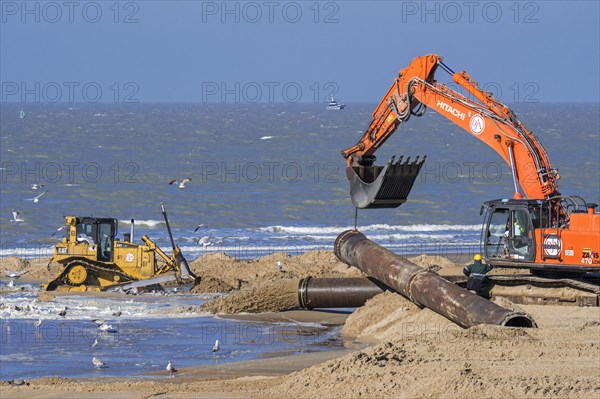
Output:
(393, 348)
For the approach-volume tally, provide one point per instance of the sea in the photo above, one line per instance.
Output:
(265, 178)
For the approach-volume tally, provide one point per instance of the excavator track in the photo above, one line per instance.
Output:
(583, 293)
(93, 270)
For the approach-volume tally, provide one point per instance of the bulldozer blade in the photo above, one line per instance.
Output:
(383, 186)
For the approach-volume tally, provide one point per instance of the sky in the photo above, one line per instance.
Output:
(291, 51)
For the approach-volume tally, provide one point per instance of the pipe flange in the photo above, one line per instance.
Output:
(338, 241)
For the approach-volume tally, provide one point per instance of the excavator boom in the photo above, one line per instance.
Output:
(487, 119)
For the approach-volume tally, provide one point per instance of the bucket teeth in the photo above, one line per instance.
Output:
(383, 186)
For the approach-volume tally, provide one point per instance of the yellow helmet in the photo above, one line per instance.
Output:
(477, 257)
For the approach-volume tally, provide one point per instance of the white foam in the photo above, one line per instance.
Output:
(148, 223)
(26, 306)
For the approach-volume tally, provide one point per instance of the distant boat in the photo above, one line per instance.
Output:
(335, 104)
(22, 114)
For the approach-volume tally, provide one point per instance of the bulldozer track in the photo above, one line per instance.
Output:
(95, 269)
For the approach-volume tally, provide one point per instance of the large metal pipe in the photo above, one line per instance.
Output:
(349, 292)
(420, 286)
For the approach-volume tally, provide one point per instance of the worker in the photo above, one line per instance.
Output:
(476, 272)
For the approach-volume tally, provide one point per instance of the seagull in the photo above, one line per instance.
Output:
(106, 328)
(171, 369)
(205, 241)
(216, 347)
(97, 362)
(36, 186)
(279, 266)
(16, 217)
(37, 323)
(36, 199)
(57, 230)
(95, 344)
(98, 321)
(199, 226)
(12, 274)
(117, 313)
(181, 184)
(11, 284)
(63, 312)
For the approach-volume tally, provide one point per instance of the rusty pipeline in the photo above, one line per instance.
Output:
(423, 287)
(350, 292)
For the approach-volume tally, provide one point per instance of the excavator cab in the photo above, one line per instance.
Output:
(388, 186)
(508, 233)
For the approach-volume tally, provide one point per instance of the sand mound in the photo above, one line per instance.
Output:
(376, 310)
(435, 358)
(37, 269)
(209, 285)
(13, 264)
(271, 296)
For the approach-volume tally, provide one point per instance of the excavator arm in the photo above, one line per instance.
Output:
(487, 119)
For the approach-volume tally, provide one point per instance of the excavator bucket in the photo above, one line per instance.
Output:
(383, 186)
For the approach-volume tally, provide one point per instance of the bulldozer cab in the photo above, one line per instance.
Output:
(99, 233)
(508, 231)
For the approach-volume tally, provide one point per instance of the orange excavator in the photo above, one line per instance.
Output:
(538, 228)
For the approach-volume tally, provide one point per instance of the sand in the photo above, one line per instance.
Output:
(270, 296)
(411, 353)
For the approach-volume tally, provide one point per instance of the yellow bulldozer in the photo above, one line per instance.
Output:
(93, 259)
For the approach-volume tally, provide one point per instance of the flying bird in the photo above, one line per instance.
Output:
(97, 362)
(199, 226)
(16, 217)
(95, 344)
(204, 241)
(216, 347)
(36, 186)
(172, 370)
(37, 323)
(12, 274)
(266, 137)
(37, 199)
(181, 184)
